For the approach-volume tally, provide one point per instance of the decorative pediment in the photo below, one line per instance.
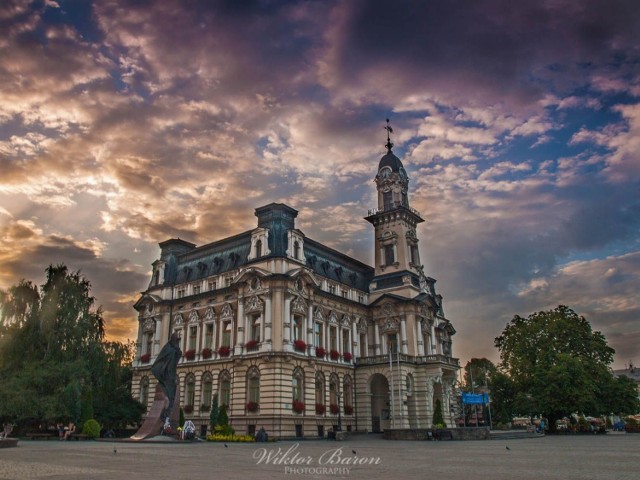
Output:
(193, 317)
(425, 325)
(299, 305)
(345, 320)
(209, 315)
(390, 325)
(253, 304)
(363, 325)
(333, 318)
(149, 325)
(227, 312)
(319, 315)
(178, 320)
(388, 309)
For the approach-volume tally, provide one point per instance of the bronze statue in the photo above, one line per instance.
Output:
(164, 369)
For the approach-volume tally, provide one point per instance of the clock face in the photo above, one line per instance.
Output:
(403, 174)
(385, 173)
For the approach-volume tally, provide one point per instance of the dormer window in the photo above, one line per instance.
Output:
(296, 250)
(258, 248)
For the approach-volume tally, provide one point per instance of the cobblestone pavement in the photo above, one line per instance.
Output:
(565, 457)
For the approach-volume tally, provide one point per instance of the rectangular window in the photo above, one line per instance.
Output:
(208, 335)
(227, 281)
(180, 292)
(333, 341)
(297, 328)
(363, 344)
(387, 200)
(226, 334)
(318, 338)
(212, 285)
(361, 298)
(255, 328)
(193, 335)
(388, 255)
(345, 293)
(196, 289)
(345, 341)
(392, 342)
(332, 289)
(149, 343)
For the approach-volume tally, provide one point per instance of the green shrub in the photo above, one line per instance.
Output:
(223, 430)
(91, 428)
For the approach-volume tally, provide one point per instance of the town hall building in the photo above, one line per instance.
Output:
(299, 338)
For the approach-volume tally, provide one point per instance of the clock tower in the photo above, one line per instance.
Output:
(397, 260)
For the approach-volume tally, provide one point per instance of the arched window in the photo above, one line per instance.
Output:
(348, 391)
(296, 250)
(225, 388)
(190, 391)
(144, 391)
(207, 389)
(333, 389)
(298, 322)
(389, 257)
(253, 385)
(258, 248)
(156, 277)
(297, 385)
(387, 200)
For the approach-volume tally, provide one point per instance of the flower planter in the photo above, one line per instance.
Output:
(320, 352)
(334, 409)
(320, 408)
(206, 353)
(253, 406)
(348, 410)
(188, 409)
(190, 354)
(224, 351)
(300, 346)
(145, 358)
(334, 354)
(297, 406)
(251, 346)
(347, 356)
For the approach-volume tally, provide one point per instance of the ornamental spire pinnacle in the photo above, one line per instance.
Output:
(389, 130)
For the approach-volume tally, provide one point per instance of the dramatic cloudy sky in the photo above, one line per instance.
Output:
(124, 123)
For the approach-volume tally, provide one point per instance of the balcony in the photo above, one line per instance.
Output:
(417, 360)
(392, 206)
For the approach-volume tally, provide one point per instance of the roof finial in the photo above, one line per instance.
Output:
(389, 130)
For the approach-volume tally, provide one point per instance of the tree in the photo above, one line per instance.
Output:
(54, 362)
(215, 412)
(477, 373)
(438, 419)
(557, 363)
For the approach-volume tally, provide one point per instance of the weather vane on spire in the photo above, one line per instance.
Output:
(389, 130)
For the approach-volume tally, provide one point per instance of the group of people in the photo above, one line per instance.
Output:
(65, 433)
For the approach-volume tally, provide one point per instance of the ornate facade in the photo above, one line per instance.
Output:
(296, 337)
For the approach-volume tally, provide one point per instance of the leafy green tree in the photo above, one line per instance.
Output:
(557, 363)
(438, 418)
(478, 372)
(54, 362)
(223, 418)
(215, 412)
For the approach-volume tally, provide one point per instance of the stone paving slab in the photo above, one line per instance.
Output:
(598, 457)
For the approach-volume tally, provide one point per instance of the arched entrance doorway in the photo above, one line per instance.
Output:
(379, 388)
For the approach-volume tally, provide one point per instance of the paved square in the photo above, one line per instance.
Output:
(566, 457)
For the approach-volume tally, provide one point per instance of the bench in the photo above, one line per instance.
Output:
(79, 436)
(444, 435)
(39, 435)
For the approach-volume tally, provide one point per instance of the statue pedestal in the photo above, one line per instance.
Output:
(154, 422)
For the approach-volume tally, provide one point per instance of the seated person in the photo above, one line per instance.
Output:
(70, 431)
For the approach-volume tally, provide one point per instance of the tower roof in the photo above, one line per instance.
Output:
(391, 161)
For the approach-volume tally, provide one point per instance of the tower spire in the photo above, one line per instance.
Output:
(389, 130)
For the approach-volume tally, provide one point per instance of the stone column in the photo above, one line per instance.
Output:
(403, 337)
(242, 321)
(434, 348)
(310, 326)
(376, 338)
(420, 339)
(287, 323)
(267, 320)
(140, 340)
(355, 340)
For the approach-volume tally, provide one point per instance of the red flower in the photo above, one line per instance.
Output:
(320, 352)
(224, 351)
(145, 358)
(300, 346)
(347, 356)
(334, 354)
(297, 406)
(334, 408)
(206, 353)
(253, 406)
(348, 409)
(188, 409)
(251, 345)
(320, 408)
(190, 354)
